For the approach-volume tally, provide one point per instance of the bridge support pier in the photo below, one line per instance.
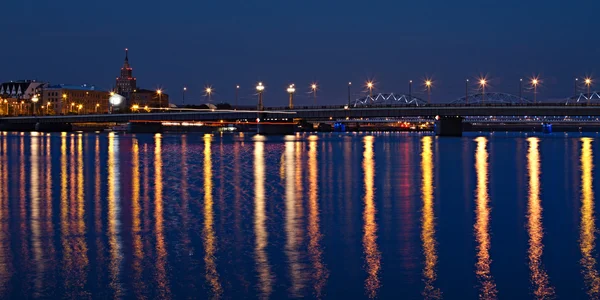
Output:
(275, 129)
(53, 127)
(17, 127)
(449, 126)
(144, 127)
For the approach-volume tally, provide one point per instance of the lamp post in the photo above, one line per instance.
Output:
(467, 91)
(48, 108)
(313, 87)
(370, 87)
(428, 84)
(209, 91)
(237, 94)
(35, 100)
(534, 83)
(575, 87)
(588, 83)
(159, 92)
(97, 105)
(183, 95)
(7, 110)
(482, 83)
(260, 88)
(72, 106)
(520, 89)
(409, 90)
(79, 107)
(291, 90)
(349, 85)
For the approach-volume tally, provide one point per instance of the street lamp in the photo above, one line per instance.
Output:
(79, 107)
(72, 105)
(97, 105)
(534, 82)
(520, 89)
(6, 102)
(291, 90)
(409, 90)
(349, 85)
(208, 93)
(313, 87)
(237, 92)
(48, 108)
(467, 91)
(159, 92)
(64, 96)
(370, 87)
(428, 84)
(184, 90)
(35, 100)
(588, 84)
(260, 88)
(482, 83)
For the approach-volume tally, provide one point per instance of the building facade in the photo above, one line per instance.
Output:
(126, 83)
(75, 99)
(15, 96)
(154, 99)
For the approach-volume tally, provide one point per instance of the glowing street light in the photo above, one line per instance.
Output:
(79, 107)
(534, 82)
(370, 87)
(349, 85)
(6, 102)
(291, 90)
(260, 89)
(410, 90)
(467, 91)
(35, 100)
(482, 83)
(428, 84)
(159, 92)
(313, 88)
(48, 108)
(208, 91)
(183, 94)
(520, 89)
(588, 84)
(237, 92)
(97, 105)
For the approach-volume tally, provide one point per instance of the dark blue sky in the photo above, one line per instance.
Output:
(224, 43)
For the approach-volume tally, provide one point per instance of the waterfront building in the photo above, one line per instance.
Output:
(150, 98)
(75, 99)
(15, 96)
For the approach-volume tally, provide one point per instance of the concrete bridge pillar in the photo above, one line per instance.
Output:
(144, 127)
(448, 126)
(53, 127)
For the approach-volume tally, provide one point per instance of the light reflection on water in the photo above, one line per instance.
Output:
(313, 216)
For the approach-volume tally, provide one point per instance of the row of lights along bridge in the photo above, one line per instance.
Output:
(482, 83)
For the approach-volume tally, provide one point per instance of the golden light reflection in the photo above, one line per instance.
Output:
(138, 247)
(161, 249)
(372, 254)
(80, 244)
(5, 245)
(23, 201)
(428, 221)
(539, 277)
(34, 193)
(587, 238)
(292, 216)
(260, 232)
(319, 272)
(100, 253)
(210, 241)
(114, 212)
(487, 289)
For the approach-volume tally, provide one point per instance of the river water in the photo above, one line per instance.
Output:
(338, 216)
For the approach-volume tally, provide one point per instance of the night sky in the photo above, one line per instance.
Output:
(223, 43)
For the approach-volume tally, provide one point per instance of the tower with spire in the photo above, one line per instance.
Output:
(126, 83)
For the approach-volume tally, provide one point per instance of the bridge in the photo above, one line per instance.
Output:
(382, 106)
